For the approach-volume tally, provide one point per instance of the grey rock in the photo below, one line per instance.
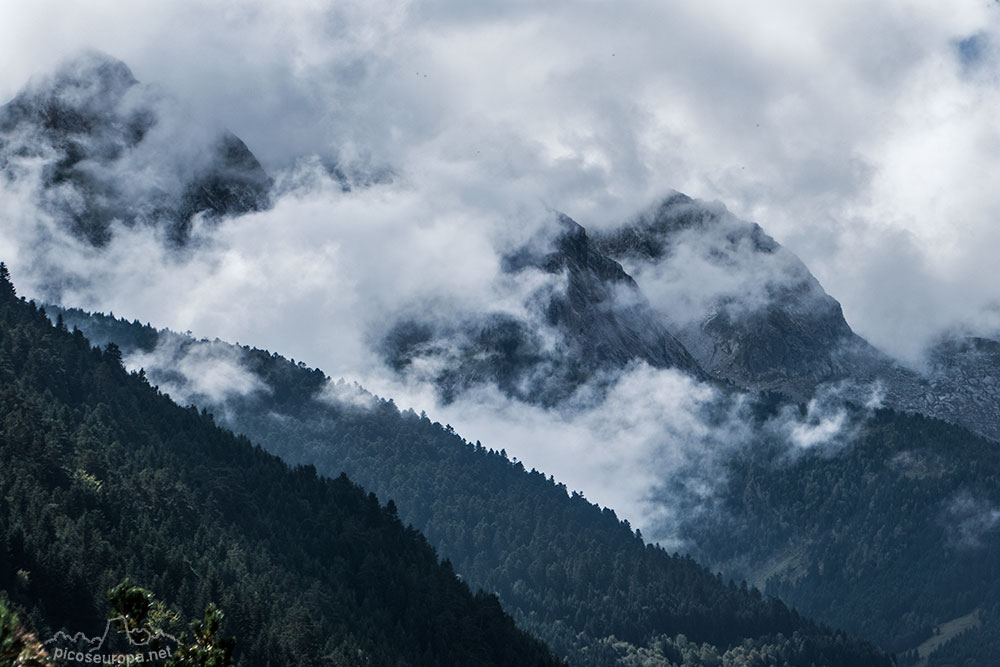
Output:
(771, 328)
(583, 335)
(775, 329)
(108, 157)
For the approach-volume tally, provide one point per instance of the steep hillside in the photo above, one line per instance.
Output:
(571, 572)
(593, 323)
(869, 535)
(751, 313)
(105, 478)
(890, 534)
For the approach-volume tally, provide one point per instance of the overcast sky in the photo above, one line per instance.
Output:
(863, 135)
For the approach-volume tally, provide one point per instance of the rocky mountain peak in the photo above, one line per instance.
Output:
(98, 148)
(747, 309)
(81, 90)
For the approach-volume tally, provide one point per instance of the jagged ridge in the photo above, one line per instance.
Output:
(108, 156)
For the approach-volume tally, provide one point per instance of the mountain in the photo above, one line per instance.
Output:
(105, 478)
(891, 536)
(684, 285)
(960, 384)
(887, 531)
(890, 533)
(567, 570)
(585, 331)
(95, 148)
(747, 308)
(752, 314)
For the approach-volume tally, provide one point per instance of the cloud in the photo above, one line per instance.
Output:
(347, 394)
(198, 372)
(650, 447)
(860, 136)
(710, 261)
(320, 276)
(817, 429)
(829, 421)
(969, 519)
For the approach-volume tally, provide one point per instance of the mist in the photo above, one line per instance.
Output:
(969, 519)
(858, 136)
(652, 444)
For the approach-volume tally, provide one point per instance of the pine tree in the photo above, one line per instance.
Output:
(5, 281)
(18, 646)
(207, 649)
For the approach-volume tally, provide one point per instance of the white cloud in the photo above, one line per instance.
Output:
(192, 374)
(852, 131)
(829, 420)
(969, 520)
(651, 447)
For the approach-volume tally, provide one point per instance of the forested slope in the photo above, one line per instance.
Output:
(888, 535)
(571, 572)
(105, 478)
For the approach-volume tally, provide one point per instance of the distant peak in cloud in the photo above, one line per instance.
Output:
(94, 65)
(97, 151)
(91, 80)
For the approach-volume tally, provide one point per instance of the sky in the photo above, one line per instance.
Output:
(861, 135)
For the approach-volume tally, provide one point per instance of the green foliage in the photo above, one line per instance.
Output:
(131, 603)
(5, 283)
(887, 537)
(139, 609)
(18, 646)
(104, 478)
(975, 646)
(567, 570)
(207, 649)
(679, 651)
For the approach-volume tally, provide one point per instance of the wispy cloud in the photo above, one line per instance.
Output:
(969, 519)
(201, 373)
(860, 136)
(857, 134)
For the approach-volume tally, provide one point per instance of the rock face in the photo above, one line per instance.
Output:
(752, 313)
(586, 324)
(603, 312)
(712, 295)
(961, 384)
(96, 148)
(725, 301)
(747, 309)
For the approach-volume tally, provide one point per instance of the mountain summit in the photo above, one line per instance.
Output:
(751, 313)
(98, 149)
(747, 308)
(586, 322)
(81, 92)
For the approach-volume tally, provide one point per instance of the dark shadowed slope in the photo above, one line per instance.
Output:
(889, 534)
(584, 331)
(104, 477)
(574, 574)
